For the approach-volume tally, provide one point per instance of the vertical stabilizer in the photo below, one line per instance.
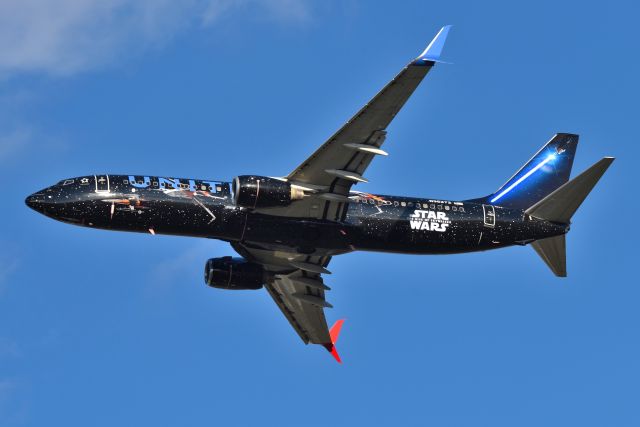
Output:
(553, 252)
(547, 170)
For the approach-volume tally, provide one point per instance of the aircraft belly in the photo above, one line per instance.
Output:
(302, 234)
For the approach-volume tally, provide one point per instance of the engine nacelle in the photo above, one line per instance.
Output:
(233, 273)
(263, 192)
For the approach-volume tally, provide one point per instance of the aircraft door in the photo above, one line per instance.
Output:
(489, 216)
(102, 183)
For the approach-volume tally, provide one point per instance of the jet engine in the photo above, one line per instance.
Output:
(263, 192)
(233, 273)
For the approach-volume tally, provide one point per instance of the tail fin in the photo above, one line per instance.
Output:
(559, 206)
(547, 170)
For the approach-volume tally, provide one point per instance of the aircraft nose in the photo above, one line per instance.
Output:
(44, 201)
(36, 201)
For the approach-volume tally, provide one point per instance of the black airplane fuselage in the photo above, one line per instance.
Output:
(205, 208)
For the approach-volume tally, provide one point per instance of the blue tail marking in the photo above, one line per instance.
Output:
(547, 170)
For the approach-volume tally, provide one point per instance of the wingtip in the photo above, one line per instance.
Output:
(334, 352)
(606, 161)
(334, 334)
(434, 49)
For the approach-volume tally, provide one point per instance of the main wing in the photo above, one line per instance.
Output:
(295, 283)
(341, 161)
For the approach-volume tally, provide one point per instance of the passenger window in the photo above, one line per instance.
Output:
(395, 203)
(410, 204)
(446, 207)
(454, 208)
(433, 206)
(461, 209)
(403, 203)
(439, 207)
(418, 205)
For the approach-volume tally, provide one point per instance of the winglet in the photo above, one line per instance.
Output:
(433, 51)
(334, 333)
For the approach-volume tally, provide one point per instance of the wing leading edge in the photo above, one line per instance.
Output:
(342, 159)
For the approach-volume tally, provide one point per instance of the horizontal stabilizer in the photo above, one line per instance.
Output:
(560, 205)
(553, 252)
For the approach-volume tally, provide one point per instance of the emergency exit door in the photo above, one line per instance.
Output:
(489, 215)
(102, 183)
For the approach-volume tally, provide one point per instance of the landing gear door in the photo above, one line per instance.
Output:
(489, 216)
(102, 183)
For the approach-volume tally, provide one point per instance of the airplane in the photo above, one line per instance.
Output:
(287, 229)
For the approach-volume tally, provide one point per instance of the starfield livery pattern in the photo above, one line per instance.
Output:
(287, 229)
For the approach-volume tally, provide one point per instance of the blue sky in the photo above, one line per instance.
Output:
(102, 329)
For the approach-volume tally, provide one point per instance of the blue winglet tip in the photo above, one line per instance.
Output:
(434, 50)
